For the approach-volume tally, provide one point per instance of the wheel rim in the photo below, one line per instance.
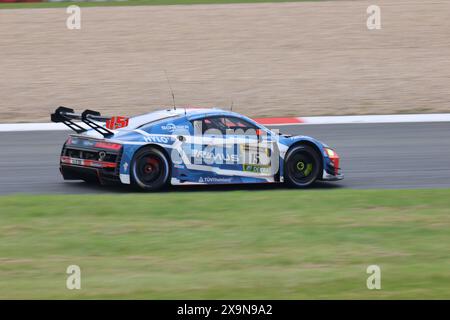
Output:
(149, 168)
(301, 167)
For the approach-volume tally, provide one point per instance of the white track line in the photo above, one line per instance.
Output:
(397, 118)
(17, 127)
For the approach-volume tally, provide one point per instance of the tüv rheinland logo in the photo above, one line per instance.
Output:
(214, 180)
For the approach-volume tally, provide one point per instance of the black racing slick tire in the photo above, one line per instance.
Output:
(302, 166)
(150, 170)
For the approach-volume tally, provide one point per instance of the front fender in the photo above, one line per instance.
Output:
(286, 143)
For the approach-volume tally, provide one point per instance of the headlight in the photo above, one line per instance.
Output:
(331, 153)
(334, 159)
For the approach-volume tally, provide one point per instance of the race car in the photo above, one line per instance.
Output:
(183, 146)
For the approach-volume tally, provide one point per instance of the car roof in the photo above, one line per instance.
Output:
(189, 112)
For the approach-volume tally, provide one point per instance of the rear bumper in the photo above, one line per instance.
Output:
(89, 162)
(73, 172)
(70, 172)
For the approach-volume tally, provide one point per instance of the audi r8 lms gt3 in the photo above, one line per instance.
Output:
(189, 146)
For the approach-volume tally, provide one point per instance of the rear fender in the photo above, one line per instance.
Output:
(129, 150)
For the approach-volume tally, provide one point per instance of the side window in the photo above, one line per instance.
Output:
(225, 125)
(239, 126)
(213, 124)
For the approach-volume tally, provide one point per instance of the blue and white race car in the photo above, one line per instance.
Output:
(189, 146)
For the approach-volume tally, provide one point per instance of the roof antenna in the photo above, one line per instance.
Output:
(171, 91)
(231, 107)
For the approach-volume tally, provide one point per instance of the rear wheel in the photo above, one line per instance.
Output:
(302, 166)
(150, 169)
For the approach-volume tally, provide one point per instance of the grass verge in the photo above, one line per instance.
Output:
(282, 244)
(132, 3)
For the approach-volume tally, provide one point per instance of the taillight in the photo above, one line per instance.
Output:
(108, 145)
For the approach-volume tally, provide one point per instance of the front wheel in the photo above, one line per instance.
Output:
(302, 166)
(150, 169)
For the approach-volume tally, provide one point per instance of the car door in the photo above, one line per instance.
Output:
(254, 146)
(211, 146)
(231, 146)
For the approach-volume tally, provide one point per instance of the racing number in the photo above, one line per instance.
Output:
(117, 122)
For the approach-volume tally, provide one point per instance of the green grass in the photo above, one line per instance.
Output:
(132, 3)
(264, 244)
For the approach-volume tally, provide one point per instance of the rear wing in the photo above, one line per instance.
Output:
(88, 117)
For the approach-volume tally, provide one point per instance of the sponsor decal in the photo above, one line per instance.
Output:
(172, 127)
(217, 158)
(214, 180)
(256, 168)
(158, 139)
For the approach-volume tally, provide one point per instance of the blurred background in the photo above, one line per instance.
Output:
(271, 59)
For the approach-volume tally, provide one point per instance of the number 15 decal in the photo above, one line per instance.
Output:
(117, 122)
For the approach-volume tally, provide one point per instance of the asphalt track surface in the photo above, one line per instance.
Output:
(374, 156)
